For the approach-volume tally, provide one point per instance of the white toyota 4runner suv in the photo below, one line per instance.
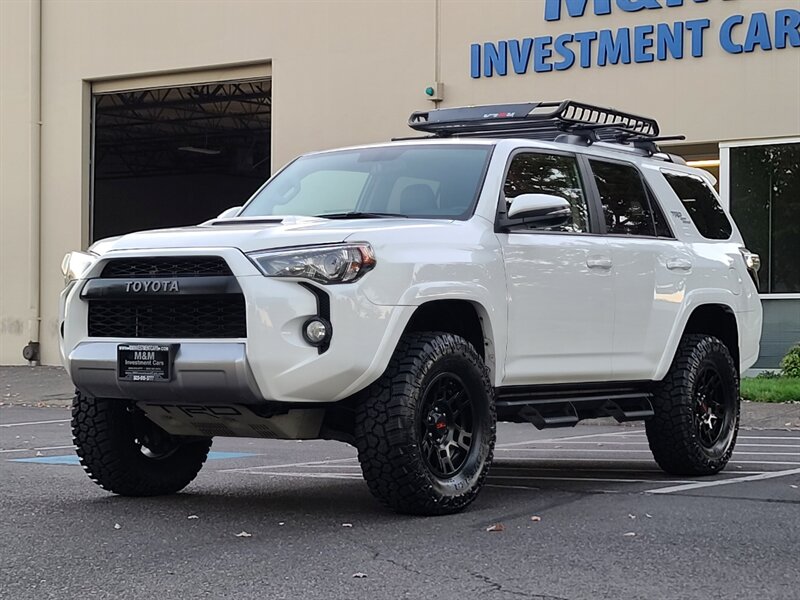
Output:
(540, 263)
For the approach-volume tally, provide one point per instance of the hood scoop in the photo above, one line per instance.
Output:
(243, 221)
(276, 220)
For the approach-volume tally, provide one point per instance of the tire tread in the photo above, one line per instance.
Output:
(102, 435)
(389, 462)
(671, 432)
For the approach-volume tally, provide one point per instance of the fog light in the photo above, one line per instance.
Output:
(317, 331)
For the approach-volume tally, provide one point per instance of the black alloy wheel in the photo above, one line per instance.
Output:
(713, 407)
(696, 409)
(425, 430)
(445, 424)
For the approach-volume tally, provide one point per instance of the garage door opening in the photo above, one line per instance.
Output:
(175, 156)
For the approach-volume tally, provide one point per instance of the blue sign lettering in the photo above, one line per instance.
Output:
(637, 5)
(475, 61)
(541, 52)
(642, 42)
(565, 52)
(520, 54)
(758, 33)
(577, 8)
(646, 43)
(495, 59)
(787, 28)
(726, 34)
(669, 40)
(585, 39)
(613, 49)
(697, 28)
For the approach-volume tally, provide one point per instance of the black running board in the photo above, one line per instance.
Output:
(561, 406)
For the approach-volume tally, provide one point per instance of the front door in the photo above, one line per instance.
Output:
(560, 284)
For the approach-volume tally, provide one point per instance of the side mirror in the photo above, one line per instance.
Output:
(542, 210)
(230, 212)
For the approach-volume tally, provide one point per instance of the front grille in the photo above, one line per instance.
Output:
(220, 316)
(178, 266)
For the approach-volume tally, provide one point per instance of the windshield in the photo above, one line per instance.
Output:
(409, 181)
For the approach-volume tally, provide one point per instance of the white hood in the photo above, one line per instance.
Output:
(250, 234)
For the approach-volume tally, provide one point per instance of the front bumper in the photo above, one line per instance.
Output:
(203, 372)
(273, 363)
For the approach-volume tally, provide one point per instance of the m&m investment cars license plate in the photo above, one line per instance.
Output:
(145, 362)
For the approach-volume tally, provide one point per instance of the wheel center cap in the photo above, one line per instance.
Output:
(437, 423)
(709, 419)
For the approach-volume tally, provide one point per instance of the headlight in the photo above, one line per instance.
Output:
(75, 264)
(335, 263)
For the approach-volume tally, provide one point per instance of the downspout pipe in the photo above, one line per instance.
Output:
(31, 352)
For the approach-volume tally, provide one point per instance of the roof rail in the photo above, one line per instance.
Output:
(537, 120)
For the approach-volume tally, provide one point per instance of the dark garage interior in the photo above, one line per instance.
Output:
(175, 156)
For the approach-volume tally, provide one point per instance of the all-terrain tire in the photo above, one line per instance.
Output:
(679, 434)
(106, 434)
(398, 417)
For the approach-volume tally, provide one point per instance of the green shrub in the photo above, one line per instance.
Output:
(790, 365)
(769, 375)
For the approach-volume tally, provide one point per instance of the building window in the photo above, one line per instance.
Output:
(764, 188)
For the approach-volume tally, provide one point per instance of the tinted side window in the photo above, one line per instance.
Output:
(662, 227)
(532, 173)
(625, 205)
(701, 204)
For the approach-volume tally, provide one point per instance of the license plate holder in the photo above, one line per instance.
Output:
(145, 362)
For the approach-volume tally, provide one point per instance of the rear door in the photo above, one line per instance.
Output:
(650, 269)
(560, 286)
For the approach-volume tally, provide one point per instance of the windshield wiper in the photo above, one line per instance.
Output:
(361, 215)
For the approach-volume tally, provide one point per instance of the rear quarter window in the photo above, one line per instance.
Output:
(701, 204)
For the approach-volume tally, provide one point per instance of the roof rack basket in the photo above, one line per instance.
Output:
(537, 120)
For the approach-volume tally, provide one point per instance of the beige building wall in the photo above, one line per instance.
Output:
(19, 176)
(344, 72)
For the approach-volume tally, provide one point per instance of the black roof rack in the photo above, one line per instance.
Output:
(537, 120)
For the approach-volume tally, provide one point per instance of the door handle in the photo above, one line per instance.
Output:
(679, 264)
(598, 262)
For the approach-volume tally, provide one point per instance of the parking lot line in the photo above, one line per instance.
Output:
(566, 438)
(301, 464)
(744, 437)
(769, 437)
(493, 478)
(644, 443)
(34, 423)
(309, 475)
(706, 484)
(625, 451)
(600, 479)
(637, 471)
(70, 447)
(512, 487)
(632, 460)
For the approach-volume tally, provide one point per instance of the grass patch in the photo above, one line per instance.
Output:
(777, 389)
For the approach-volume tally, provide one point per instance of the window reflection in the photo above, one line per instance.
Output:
(765, 203)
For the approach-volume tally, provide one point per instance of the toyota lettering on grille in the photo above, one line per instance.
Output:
(152, 286)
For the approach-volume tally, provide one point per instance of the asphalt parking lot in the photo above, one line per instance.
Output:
(610, 524)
